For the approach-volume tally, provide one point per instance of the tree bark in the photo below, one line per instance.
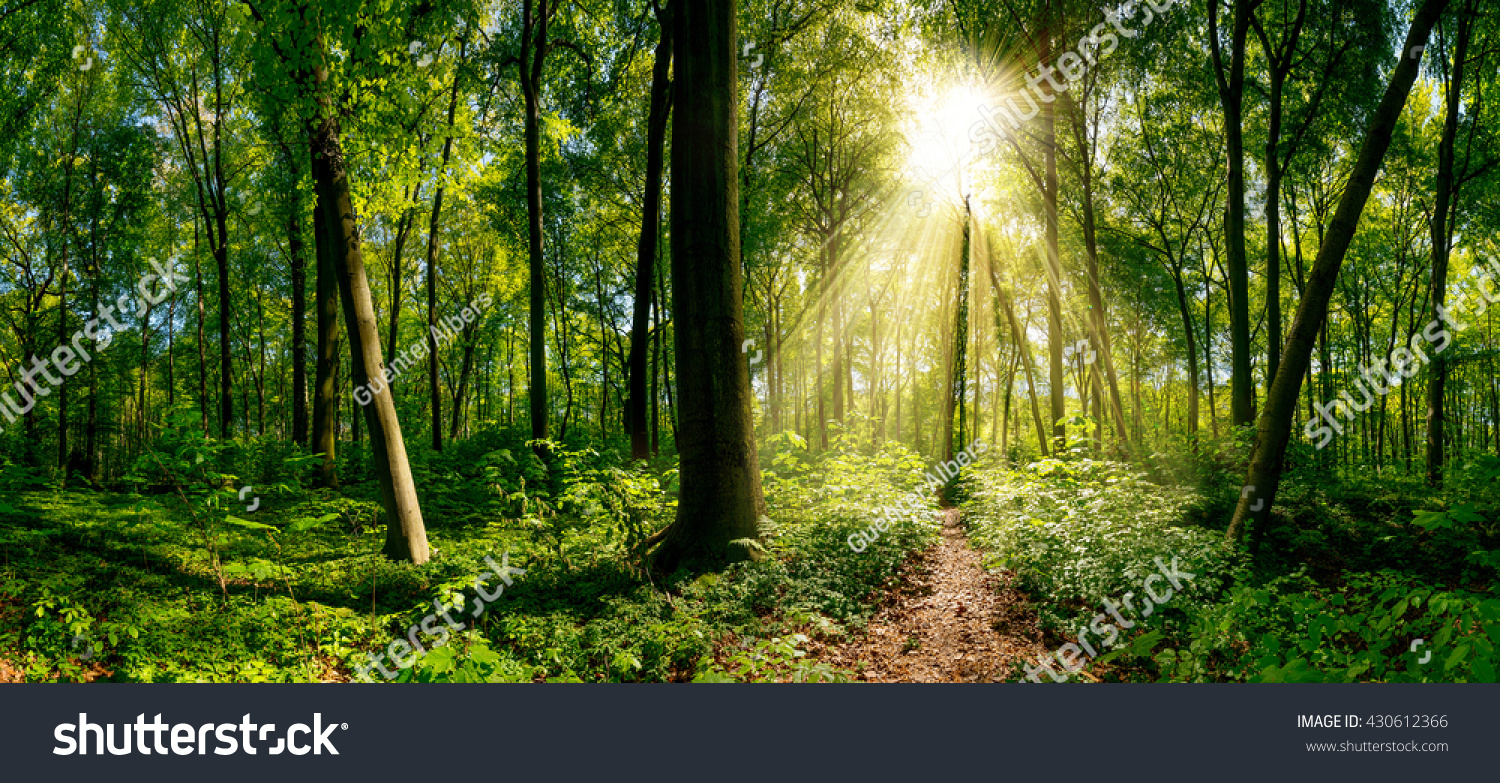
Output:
(1054, 268)
(326, 383)
(1023, 345)
(721, 497)
(298, 263)
(1098, 322)
(433, 387)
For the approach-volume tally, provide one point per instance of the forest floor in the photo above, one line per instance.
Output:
(949, 621)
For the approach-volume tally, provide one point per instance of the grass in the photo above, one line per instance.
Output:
(124, 586)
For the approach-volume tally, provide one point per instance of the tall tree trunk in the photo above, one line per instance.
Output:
(91, 427)
(645, 255)
(957, 364)
(62, 298)
(1097, 321)
(818, 354)
(326, 383)
(221, 260)
(463, 379)
(398, 269)
(298, 263)
(1023, 344)
(1231, 97)
(656, 338)
(534, 47)
(1186, 311)
(62, 339)
(433, 387)
(1273, 231)
(721, 497)
(202, 334)
(835, 305)
(1275, 423)
(1441, 235)
(1054, 264)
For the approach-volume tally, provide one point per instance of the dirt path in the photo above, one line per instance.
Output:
(948, 621)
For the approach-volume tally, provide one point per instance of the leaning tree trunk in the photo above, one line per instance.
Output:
(721, 495)
(1275, 424)
(406, 537)
(1023, 345)
(1098, 322)
(1054, 272)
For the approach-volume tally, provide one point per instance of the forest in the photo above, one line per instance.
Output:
(749, 341)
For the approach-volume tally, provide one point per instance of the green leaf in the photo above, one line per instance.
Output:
(1143, 644)
(248, 525)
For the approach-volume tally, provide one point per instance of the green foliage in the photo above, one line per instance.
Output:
(1293, 630)
(1078, 532)
(300, 595)
(777, 658)
(471, 660)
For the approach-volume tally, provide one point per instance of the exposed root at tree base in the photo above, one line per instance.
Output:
(949, 621)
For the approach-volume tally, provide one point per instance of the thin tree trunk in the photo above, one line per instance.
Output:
(1441, 235)
(1018, 336)
(1231, 97)
(432, 253)
(645, 255)
(298, 263)
(202, 339)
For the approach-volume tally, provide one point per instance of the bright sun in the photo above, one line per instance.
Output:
(942, 143)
